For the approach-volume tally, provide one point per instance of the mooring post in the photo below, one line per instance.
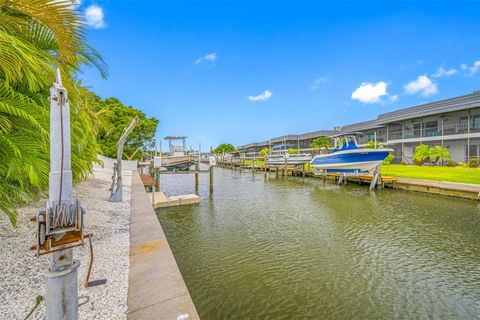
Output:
(265, 166)
(276, 173)
(374, 178)
(211, 178)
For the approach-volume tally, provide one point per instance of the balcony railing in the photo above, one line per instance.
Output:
(448, 130)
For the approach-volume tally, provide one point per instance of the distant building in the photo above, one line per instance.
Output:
(452, 123)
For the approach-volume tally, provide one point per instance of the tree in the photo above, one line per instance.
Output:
(375, 145)
(117, 117)
(36, 37)
(438, 153)
(224, 147)
(421, 154)
(265, 151)
(388, 160)
(323, 142)
(293, 151)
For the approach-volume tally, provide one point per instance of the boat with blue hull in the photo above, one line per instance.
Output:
(350, 158)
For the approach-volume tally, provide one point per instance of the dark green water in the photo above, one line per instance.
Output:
(295, 248)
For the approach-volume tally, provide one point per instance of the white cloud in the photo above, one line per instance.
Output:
(393, 98)
(370, 92)
(318, 83)
(212, 57)
(442, 72)
(475, 67)
(265, 95)
(95, 17)
(423, 85)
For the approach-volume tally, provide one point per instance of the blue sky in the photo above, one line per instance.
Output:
(240, 72)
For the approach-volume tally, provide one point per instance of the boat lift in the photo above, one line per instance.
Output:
(60, 227)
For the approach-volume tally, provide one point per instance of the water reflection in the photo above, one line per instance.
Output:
(293, 248)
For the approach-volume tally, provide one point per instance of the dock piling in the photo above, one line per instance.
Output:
(211, 179)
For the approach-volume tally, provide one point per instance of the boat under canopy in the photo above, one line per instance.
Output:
(179, 159)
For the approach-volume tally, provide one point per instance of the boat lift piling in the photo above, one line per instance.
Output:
(60, 227)
(116, 189)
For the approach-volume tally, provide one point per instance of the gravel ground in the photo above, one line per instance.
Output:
(21, 278)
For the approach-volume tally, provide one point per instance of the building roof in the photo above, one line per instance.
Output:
(468, 101)
(316, 134)
(254, 144)
(365, 125)
(464, 102)
(285, 137)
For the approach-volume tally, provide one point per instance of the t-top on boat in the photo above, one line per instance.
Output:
(349, 158)
(179, 159)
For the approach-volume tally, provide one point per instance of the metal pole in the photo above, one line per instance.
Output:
(61, 293)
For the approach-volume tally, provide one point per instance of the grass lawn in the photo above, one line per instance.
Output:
(452, 174)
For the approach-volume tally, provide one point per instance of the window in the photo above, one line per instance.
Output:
(463, 124)
(475, 122)
(430, 128)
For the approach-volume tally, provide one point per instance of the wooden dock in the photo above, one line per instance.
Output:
(299, 171)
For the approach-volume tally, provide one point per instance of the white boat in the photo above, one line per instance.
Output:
(287, 159)
(179, 159)
(349, 158)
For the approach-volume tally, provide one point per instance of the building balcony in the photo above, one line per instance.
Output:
(448, 130)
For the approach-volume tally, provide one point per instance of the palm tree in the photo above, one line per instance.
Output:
(439, 153)
(421, 154)
(36, 36)
(375, 145)
(321, 142)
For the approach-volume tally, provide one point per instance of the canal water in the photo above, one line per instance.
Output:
(294, 248)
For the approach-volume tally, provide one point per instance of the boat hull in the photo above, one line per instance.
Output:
(292, 160)
(178, 162)
(358, 160)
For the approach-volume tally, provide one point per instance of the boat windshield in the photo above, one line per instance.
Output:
(345, 143)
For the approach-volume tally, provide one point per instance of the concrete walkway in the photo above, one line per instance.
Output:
(463, 190)
(156, 287)
(161, 200)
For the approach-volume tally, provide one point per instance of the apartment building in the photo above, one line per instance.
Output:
(452, 123)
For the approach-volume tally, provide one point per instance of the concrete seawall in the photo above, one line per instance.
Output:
(452, 189)
(156, 287)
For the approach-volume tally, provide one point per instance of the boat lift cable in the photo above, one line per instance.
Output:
(63, 151)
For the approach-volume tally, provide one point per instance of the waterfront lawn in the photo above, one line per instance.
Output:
(439, 173)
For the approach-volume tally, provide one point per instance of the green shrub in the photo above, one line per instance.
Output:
(473, 163)
(451, 163)
(388, 159)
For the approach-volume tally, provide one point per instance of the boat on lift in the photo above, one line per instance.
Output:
(287, 159)
(347, 157)
(179, 159)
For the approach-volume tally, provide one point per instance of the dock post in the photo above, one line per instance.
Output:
(211, 178)
(197, 168)
(276, 173)
(253, 165)
(374, 178)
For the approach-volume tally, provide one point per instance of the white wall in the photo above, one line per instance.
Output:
(126, 164)
(457, 149)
